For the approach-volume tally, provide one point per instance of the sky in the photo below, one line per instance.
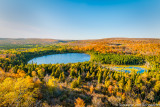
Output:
(79, 19)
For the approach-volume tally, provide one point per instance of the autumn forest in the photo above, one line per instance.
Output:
(93, 83)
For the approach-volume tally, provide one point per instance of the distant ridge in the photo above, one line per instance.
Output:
(41, 41)
(37, 41)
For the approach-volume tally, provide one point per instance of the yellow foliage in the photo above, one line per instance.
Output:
(144, 77)
(41, 73)
(157, 86)
(52, 82)
(123, 97)
(52, 85)
(107, 83)
(34, 73)
(138, 101)
(128, 85)
(17, 92)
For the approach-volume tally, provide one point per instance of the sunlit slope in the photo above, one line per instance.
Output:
(145, 46)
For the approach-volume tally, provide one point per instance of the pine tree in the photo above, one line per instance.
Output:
(72, 73)
(62, 77)
(79, 80)
(128, 86)
(88, 75)
(93, 75)
(100, 77)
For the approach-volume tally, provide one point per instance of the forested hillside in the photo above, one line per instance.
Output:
(143, 46)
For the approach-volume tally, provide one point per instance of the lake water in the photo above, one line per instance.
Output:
(130, 69)
(61, 58)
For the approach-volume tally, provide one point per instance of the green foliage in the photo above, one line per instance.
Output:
(117, 59)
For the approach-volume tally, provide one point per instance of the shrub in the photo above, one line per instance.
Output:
(97, 102)
(79, 103)
(114, 101)
(52, 86)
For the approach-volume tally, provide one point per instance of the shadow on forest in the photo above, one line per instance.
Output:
(65, 97)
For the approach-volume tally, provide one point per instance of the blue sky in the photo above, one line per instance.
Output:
(79, 19)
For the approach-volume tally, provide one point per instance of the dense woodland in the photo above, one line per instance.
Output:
(89, 83)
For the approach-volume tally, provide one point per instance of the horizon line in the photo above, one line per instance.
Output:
(81, 39)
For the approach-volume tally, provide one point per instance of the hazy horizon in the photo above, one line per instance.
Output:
(82, 39)
(79, 19)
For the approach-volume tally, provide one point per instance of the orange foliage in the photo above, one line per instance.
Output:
(91, 89)
(110, 89)
(37, 83)
(79, 103)
(21, 73)
(119, 94)
(120, 45)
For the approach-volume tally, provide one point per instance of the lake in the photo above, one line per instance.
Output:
(61, 58)
(129, 69)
